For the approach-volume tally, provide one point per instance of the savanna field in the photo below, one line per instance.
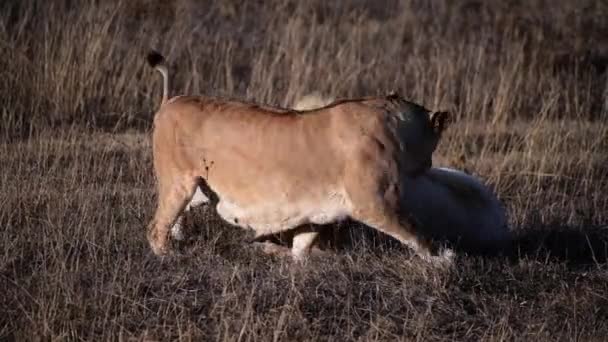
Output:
(527, 82)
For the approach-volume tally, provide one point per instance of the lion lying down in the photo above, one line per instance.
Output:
(276, 169)
(451, 205)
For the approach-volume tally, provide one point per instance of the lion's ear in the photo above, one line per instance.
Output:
(439, 121)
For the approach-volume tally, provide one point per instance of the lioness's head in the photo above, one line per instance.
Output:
(419, 128)
(420, 132)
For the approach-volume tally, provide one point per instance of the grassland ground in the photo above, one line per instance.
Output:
(527, 82)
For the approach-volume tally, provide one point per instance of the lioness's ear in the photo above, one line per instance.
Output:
(439, 121)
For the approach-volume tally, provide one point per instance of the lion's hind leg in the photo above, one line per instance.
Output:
(302, 243)
(198, 199)
(272, 248)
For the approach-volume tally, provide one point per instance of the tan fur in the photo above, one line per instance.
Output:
(276, 169)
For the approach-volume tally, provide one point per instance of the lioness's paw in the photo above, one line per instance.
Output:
(444, 258)
(159, 246)
(159, 250)
(447, 256)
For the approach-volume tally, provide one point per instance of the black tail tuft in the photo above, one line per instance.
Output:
(154, 58)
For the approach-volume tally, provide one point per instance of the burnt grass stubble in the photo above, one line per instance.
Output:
(526, 81)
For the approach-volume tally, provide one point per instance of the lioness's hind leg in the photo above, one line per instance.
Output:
(172, 198)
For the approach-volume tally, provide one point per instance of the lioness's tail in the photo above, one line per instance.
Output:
(157, 61)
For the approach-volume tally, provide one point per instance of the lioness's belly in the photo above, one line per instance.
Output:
(275, 216)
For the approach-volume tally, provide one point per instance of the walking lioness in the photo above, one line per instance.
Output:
(447, 204)
(274, 169)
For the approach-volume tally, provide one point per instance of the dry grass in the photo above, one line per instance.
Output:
(526, 79)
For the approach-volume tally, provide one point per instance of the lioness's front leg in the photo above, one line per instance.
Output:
(389, 222)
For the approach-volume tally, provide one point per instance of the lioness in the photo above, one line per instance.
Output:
(274, 169)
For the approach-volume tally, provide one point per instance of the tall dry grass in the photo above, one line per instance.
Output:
(527, 82)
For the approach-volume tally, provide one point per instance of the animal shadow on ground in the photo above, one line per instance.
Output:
(577, 246)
